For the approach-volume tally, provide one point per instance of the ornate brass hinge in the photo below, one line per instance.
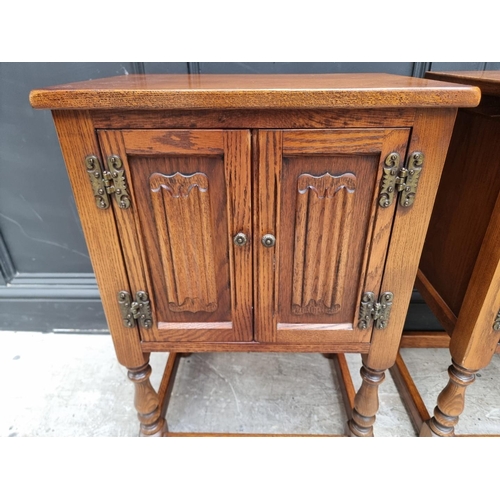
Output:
(106, 182)
(403, 180)
(138, 311)
(376, 312)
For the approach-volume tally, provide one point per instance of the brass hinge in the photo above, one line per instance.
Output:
(400, 179)
(107, 182)
(138, 311)
(376, 312)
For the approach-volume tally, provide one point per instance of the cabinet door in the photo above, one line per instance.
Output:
(190, 195)
(317, 193)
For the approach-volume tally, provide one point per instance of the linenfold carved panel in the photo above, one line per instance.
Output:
(322, 230)
(181, 207)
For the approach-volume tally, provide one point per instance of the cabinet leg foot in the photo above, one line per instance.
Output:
(450, 402)
(147, 403)
(366, 403)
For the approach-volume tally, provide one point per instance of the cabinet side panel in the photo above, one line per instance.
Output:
(77, 137)
(465, 200)
(431, 135)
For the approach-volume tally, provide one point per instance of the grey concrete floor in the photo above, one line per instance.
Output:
(72, 385)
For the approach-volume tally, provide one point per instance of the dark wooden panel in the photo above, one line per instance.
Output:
(469, 188)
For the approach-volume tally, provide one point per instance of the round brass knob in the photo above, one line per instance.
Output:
(268, 240)
(240, 239)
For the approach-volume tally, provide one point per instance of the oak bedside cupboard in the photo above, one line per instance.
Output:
(281, 213)
(459, 272)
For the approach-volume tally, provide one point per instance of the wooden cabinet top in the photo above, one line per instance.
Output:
(370, 90)
(487, 81)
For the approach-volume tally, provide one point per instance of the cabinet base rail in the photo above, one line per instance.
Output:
(165, 391)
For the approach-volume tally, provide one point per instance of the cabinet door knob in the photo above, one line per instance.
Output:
(268, 240)
(240, 239)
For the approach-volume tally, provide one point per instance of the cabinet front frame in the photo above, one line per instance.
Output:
(418, 120)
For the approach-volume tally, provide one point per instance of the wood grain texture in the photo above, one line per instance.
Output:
(451, 401)
(77, 138)
(167, 384)
(186, 346)
(366, 402)
(487, 81)
(181, 208)
(252, 118)
(317, 142)
(266, 192)
(345, 382)
(321, 248)
(369, 90)
(174, 142)
(431, 134)
(474, 341)
(465, 201)
(147, 403)
(425, 339)
(435, 302)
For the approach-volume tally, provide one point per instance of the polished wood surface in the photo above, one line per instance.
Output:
(345, 380)
(77, 138)
(370, 90)
(309, 177)
(487, 81)
(147, 402)
(409, 230)
(253, 118)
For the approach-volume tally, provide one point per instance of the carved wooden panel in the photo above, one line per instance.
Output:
(181, 210)
(325, 209)
(181, 203)
(322, 231)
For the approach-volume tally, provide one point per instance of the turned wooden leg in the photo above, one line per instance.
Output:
(450, 403)
(366, 403)
(146, 402)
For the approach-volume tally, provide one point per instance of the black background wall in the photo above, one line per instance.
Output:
(46, 279)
